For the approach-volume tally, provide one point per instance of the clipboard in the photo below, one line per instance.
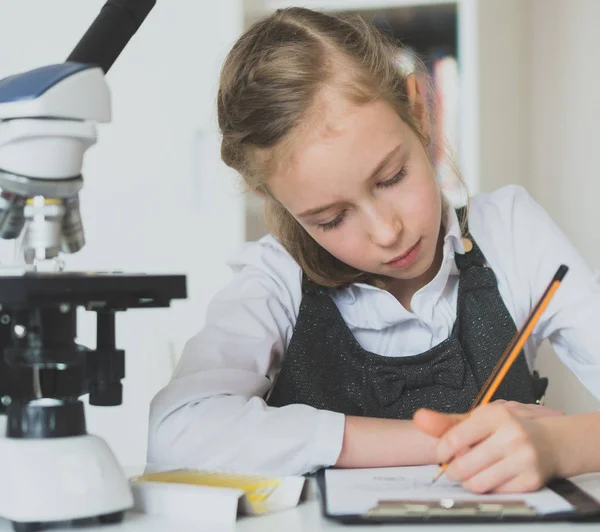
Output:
(448, 511)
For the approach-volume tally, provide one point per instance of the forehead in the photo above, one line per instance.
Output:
(338, 145)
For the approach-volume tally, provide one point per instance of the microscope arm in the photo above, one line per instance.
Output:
(47, 118)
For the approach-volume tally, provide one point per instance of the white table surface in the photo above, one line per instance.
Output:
(307, 517)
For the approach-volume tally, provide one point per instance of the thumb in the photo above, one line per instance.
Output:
(435, 424)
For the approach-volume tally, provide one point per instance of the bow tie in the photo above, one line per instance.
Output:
(388, 382)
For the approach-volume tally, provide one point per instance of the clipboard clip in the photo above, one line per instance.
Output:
(450, 507)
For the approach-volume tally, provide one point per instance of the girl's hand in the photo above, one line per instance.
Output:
(528, 411)
(492, 449)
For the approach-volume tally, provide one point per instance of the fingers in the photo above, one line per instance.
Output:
(511, 459)
(509, 445)
(511, 475)
(520, 471)
(521, 484)
(487, 480)
(495, 448)
(435, 424)
(479, 458)
(480, 425)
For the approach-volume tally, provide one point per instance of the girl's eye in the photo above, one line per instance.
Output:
(393, 180)
(328, 226)
(334, 223)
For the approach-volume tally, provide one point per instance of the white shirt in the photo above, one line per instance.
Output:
(212, 414)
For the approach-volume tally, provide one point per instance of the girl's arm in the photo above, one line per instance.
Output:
(575, 440)
(212, 413)
(370, 442)
(533, 247)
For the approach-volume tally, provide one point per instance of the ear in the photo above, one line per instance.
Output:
(418, 105)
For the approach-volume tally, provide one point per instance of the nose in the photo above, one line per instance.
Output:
(385, 228)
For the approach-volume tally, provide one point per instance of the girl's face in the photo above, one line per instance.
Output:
(359, 181)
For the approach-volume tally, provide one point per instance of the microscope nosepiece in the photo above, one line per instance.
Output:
(44, 220)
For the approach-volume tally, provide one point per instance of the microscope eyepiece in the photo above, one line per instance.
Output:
(110, 32)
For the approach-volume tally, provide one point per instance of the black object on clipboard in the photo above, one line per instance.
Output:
(586, 508)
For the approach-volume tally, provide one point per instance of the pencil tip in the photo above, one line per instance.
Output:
(437, 477)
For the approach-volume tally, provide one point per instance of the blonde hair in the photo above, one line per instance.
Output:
(268, 86)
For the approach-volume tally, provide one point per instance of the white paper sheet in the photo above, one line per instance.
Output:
(355, 491)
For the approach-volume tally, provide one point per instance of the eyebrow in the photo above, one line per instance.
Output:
(378, 168)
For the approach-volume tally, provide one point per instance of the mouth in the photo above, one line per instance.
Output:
(408, 257)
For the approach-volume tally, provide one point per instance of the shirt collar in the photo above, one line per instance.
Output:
(453, 230)
(452, 244)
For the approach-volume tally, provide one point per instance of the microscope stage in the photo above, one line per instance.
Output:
(91, 290)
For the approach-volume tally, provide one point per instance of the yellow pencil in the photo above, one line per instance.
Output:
(512, 350)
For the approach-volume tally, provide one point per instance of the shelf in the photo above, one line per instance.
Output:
(352, 5)
(254, 10)
(425, 26)
(430, 30)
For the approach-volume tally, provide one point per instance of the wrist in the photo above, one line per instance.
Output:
(553, 434)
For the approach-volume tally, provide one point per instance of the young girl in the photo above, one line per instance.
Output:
(371, 298)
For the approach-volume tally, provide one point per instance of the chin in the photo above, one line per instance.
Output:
(425, 267)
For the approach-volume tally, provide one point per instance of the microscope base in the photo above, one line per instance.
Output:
(51, 480)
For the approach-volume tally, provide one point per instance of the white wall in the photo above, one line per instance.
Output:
(502, 77)
(156, 197)
(565, 118)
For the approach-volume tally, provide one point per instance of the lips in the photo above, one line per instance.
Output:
(404, 255)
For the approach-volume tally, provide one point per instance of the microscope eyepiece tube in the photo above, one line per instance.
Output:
(110, 32)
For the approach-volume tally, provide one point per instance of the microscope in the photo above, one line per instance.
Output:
(52, 470)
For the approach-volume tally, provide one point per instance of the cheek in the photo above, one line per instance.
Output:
(344, 243)
(423, 206)
(432, 213)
